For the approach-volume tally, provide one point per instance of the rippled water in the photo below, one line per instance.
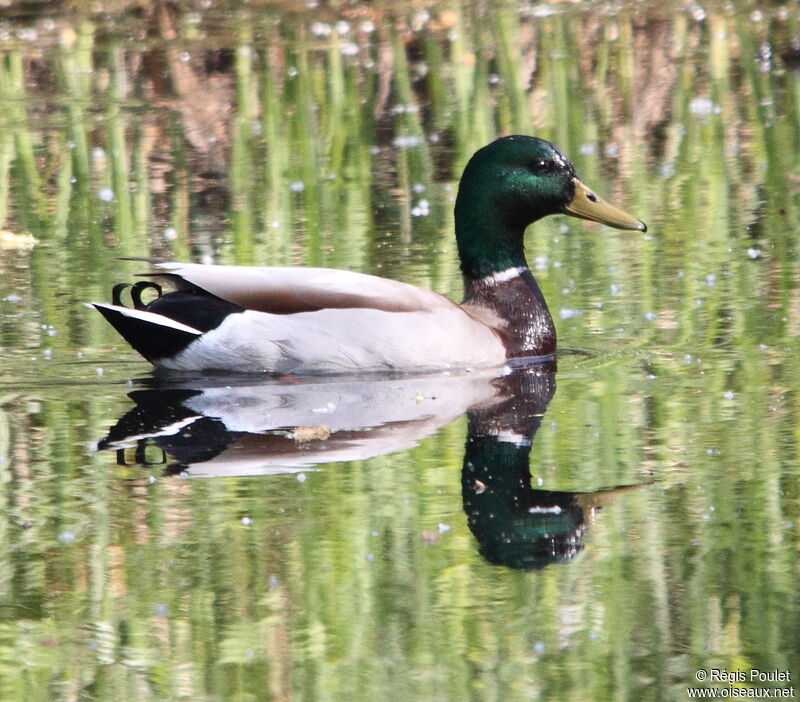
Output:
(615, 528)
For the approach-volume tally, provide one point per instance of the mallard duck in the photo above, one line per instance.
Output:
(318, 320)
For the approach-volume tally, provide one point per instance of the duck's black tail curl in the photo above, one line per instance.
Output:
(152, 335)
(165, 326)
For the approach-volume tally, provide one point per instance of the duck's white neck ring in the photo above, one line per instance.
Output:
(511, 437)
(503, 276)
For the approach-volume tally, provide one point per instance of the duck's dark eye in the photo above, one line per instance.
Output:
(540, 166)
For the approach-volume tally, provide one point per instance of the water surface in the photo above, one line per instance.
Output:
(400, 557)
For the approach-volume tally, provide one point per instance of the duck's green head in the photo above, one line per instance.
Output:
(510, 183)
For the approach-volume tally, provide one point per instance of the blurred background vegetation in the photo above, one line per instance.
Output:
(333, 133)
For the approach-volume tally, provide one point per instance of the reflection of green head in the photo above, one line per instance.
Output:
(516, 526)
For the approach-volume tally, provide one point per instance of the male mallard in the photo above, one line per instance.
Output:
(311, 320)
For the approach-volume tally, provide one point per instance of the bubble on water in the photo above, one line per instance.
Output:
(405, 109)
(540, 11)
(408, 141)
(27, 34)
(419, 20)
(321, 29)
(697, 12)
(422, 209)
(703, 107)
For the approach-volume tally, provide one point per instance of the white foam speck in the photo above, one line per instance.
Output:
(566, 313)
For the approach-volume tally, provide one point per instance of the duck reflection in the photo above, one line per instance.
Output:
(516, 525)
(220, 427)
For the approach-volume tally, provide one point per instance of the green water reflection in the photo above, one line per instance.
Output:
(275, 134)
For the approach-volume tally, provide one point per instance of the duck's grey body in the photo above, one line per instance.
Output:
(340, 340)
(316, 320)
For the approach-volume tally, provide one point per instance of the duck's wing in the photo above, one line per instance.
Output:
(287, 290)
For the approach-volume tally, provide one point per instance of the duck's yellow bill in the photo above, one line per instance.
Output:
(586, 205)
